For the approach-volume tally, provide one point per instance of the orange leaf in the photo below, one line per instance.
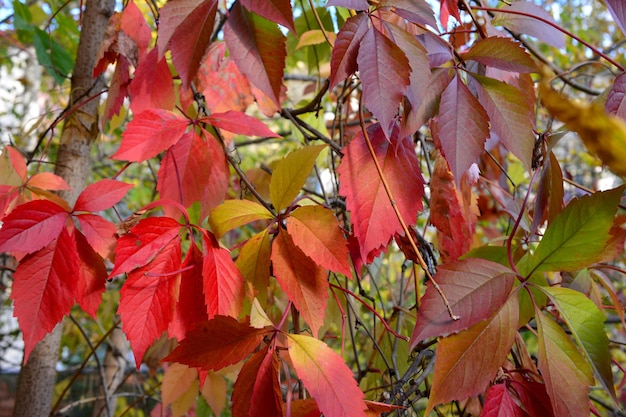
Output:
(214, 392)
(326, 377)
(315, 230)
(47, 181)
(302, 279)
(177, 380)
(254, 262)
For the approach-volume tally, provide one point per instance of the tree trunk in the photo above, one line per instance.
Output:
(37, 377)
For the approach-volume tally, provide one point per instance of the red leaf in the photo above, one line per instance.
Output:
(133, 24)
(257, 387)
(384, 71)
(500, 403)
(191, 37)
(463, 127)
(152, 87)
(47, 181)
(448, 7)
(44, 288)
(148, 298)
(258, 48)
(315, 230)
(218, 178)
(532, 396)
(143, 243)
(240, 123)
(475, 288)
(376, 409)
(223, 283)
(32, 226)
(370, 209)
(302, 279)
(343, 60)
(92, 275)
(150, 133)
(101, 195)
(222, 84)
(349, 4)
(190, 308)
(502, 53)
(100, 233)
(278, 11)
(326, 377)
(446, 214)
(462, 369)
(617, 9)
(18, 162)
(615, 102)
(217, 343)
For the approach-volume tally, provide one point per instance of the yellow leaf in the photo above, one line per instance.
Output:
(179, 388)
(315, 37)
(214, 392)
(234, 213)
(258, 317)
(603, 135)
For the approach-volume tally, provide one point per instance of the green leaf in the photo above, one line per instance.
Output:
(586, 323)
(565, 372)
(290, 175)
(52, 56)
(577, 236)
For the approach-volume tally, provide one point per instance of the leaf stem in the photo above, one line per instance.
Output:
(399, 215)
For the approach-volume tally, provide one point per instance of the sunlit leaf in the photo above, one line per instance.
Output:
(526, 23)
(502, 53)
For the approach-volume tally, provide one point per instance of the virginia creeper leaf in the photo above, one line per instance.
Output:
(343, 62)
(232, 214)
(101, 195)
(528, 24)
(177, 380)
(257, 389)
(277, 11)
(511, 116)
(148, 298)
(150, 133)
(326, 377)
(462, 369)
(92, 275)
(100, 233)
(143, 243)
(18, 162)
(240, 123)
(315, 230)
(254, 262)
(214, 391)
(586, 323)
(45, 285)
(475, 288)
(290, 174)
(316, 37)
(217, 343)
(463, 127)
(500, 403)
(577, 236)
(502, 53)
(532, 396)
(618, 12)
(616, 99)
(384, 71)
(47, 181)
(564, 370)
(349, 4)
(152, 86)
(550, 193)
(415, 11)
(302, 279)
(118, 90)
(258, 48)
(370, 208)
(31, 226)
(223, 283)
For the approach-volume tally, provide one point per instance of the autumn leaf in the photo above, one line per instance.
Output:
(148, 298)
(290, 174)
(235, 213)
(217, 343)
(326, 377)
(257, 389)
(92, 275)
(384, 72)
(475, 289)
(99, 232)
(416, 11)
(500, 403)
(180, 382)
(45, 285)
(502, 53)
(315, 230)
(303, 280)
(372, 215)
(150, 133)
(240, 123)
(343, 62)
(615, 100)
(277, 11)
(254, 262)
(463, 127)
(101, 195)
(564, 370)
(462, 369)
(524, 21)
(258, 48)
(152, 86)
(550, 193)
(214, 391)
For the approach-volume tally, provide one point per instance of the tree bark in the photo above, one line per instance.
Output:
(37, 377)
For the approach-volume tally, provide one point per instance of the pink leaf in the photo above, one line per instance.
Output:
(349, 4)
(615, 100)
(343, 62)
(150, 133)
(415, 11)
(148, 299)
(258, 48)
(617, 8)
(32, 226)
(370, 208)
(384, 71)
(526, 23)
(240, 123)
(101, 195)
(463, 127)
(152, 86)
(277, 11)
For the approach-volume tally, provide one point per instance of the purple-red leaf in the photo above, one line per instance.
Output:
(384, 71)
(258, 48)
(343, 61)
(349, 4)
(617, 8)
(615, 100)
(277, 11)
(500, 403)
(524, 21)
